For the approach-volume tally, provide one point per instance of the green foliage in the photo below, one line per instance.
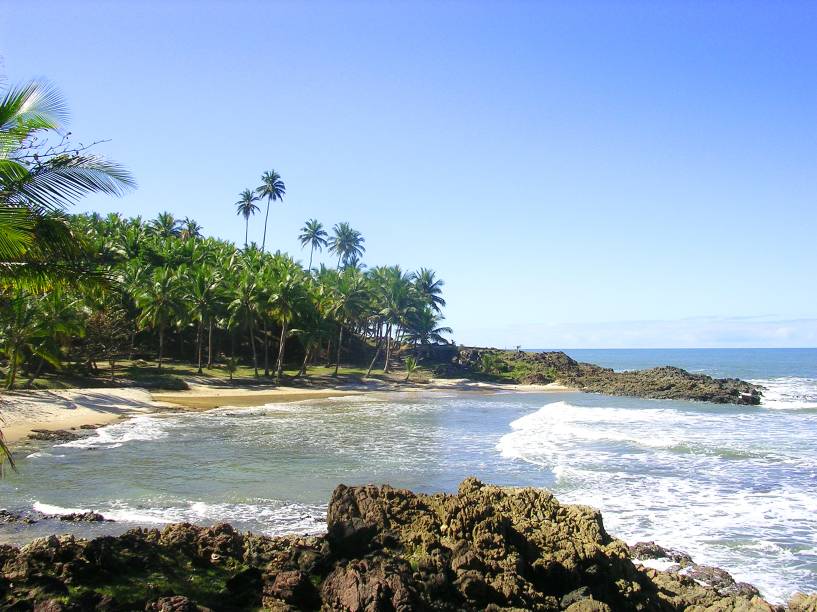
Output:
(411, 367)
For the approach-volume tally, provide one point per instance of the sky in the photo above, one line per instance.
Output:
(581, 174)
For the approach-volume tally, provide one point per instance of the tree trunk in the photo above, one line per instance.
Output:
(252, 344)
(376, 355)
(210, 344)
(266, 349)
(302, 371)
(113, 369)
(311, 252)
(35, 374)
(132, 343)
(340, 343)
(388, 349)
(281, 346)
(200, 341)
(161, 344)
(264, 241)
(246, 230)
(13, 367)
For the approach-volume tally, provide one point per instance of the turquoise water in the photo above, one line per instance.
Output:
(734, 486)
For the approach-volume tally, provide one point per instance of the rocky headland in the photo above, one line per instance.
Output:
(483, 548)
(555, 366)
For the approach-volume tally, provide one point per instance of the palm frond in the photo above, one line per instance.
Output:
(67, 178)
(16, 231)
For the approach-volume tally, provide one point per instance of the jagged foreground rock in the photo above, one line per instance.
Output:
(484, 548)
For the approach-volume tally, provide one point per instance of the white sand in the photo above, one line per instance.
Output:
(23, 411)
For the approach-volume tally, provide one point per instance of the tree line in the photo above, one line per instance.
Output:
(82, 289)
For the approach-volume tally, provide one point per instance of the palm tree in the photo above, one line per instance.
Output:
(165, 225)
(313, 234)
(272, 188)
(25, 331)
(246, 207)
(244, 307)
(348, 300)
(396, 304)
(346, 242)
(158, 304)
(190, 229)
(201, 296)
(423, 326)
(430, 288)
(37, 248)
(284, 303)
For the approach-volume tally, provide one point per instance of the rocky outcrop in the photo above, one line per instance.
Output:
(483, 548)
(656, 383)
(52, 435)
(32, 516)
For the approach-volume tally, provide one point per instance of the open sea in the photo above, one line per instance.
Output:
(735, 486)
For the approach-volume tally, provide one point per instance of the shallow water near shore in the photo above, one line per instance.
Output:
(733, 485)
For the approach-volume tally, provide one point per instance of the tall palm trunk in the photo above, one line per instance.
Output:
(340, 343)
(281, 346)
(35, 373)
(200, 340)
(161, 344)
(266, 349)
(132, 342)
(388, 349)
(252, 344)
(376, 354)
(12, 368)
(210, 344)
(302, 371)
(264, 241)
(246, 230)
(311, 252)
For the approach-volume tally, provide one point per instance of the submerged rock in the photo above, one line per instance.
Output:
(482, 548)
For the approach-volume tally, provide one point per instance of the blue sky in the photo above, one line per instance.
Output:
(605, 174)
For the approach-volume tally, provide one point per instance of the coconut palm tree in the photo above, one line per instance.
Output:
(244, 306)
(272, 188)
(36, 182)
(158, 304)
(246, 207)
(201, 297)
(348, 300)
(190, 229)
(284, 302)
(423, 326)
(346, 242)
(165, 225)
(430, 288)
(313, 234)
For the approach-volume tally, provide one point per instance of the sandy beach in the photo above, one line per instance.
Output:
(24, 411)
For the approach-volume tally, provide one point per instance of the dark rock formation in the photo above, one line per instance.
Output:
(656, 383)
(83, 517)
(52, 435)
(483, 548)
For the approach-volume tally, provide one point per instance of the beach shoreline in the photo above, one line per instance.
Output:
(22, 412)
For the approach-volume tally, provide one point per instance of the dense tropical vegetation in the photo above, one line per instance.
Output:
(82, 290)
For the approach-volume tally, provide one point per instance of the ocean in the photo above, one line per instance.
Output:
(735, 486)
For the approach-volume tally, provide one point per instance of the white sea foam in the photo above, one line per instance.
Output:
(271, 517)
(51, 509)
(139, 428)
(734, 495)
(789, 392)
